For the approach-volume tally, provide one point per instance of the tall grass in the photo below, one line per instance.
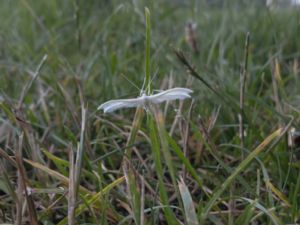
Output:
(222, 158)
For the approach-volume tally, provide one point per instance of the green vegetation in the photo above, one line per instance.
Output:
(221, 158)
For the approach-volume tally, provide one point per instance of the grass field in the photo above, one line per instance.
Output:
(229, 155)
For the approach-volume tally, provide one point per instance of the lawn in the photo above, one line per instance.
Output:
(227, 155)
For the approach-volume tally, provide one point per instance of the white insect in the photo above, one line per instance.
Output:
(144, 100)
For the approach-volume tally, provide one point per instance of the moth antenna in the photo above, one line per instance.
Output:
(142, 91)
(131, 82)
(154, 76)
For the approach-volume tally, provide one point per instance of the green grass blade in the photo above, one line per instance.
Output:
(189, 208)
(170, 217)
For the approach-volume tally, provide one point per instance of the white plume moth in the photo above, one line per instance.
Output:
(144, 100)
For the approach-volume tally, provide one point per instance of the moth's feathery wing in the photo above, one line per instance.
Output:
(171, 94)
(113, 105)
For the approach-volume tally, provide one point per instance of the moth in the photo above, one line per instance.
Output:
(144, 100)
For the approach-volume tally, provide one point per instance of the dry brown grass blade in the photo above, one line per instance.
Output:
(72, 190)
(35, 151)
(22, 188)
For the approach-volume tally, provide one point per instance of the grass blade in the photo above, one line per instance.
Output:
(65, 180)
(170, 217)
(189, 208)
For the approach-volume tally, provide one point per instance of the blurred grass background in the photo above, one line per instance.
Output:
(91, 46)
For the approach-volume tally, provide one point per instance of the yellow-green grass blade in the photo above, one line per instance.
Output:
(65, 180)
(94, 197)
(219, 191)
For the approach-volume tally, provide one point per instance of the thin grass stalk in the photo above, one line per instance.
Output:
(29, 84)
(133, 191)
(192, 71)
(186, 137)
(80, 149)
(277, 86)
(75, 169)
(69, 104)
(132, 187)
(177, 118)
(25, 126)
(231, 205)
(148, 86)
(77, 22)
(241, 116)
(142, 218)
(243, 77)
(72, 192)
(22, 187)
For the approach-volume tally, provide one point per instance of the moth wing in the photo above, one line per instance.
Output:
(180, 89)
(113, 105)
(171, 94)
